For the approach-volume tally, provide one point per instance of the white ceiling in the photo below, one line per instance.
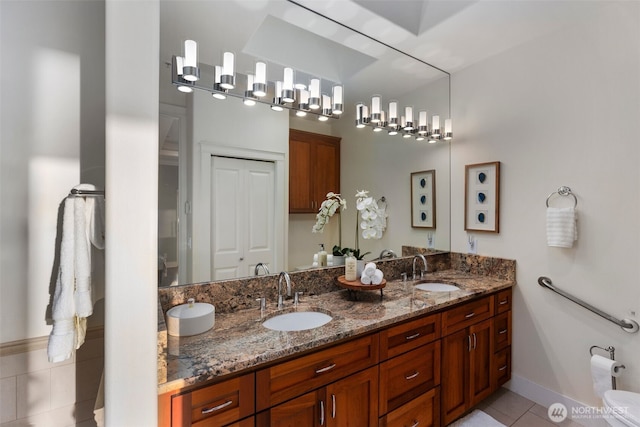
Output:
(449, 34)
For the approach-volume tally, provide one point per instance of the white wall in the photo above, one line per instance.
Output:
(562, 110)
(52, 138)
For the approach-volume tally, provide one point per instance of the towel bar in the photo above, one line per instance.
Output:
(82, 193)
(627, 325)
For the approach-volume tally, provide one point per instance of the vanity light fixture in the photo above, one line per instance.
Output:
(249, 98)
(260, 80)
(314, 94)
(190, 70)
(184, 86)
(188, 74)
(227, 78)
(288, 93)
(338, 100)
(277, 99)
(405, 124)
(219, 92)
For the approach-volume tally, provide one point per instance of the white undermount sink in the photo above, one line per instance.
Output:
(190, 319)
(437, 287)
(297, 321)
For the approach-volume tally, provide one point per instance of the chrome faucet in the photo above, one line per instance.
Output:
(257, 269)
(282, 275)
(424, 263)
(387, 253)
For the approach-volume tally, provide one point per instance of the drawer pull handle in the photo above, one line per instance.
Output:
(503, 368)
(414, 336)
(504, 301)
(504, 331)
(216, 408)
(325, 369)
(322, 412)
(415, 423)
(470, 315)
(412, 376)
(333, 405)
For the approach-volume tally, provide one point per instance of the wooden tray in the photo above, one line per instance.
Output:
(357, 285)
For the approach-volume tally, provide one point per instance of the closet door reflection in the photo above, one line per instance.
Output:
(242, 216)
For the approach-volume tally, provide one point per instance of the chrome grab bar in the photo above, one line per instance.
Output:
(627, 325)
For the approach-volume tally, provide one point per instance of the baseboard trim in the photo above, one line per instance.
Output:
(38, 343)
(546, 397)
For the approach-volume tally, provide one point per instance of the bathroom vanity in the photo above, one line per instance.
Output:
(414, 358)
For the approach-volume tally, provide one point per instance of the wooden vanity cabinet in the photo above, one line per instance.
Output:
(314, 170)
(351, 401)
(476, 353)
(222, 404)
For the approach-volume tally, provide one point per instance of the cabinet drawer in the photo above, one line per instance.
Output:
(502, 367)
(218, 404)
(402, 338)
(409, 375)
(298, 376)
(423, 411)
(467, 314)
(502, 331)
(503, 301)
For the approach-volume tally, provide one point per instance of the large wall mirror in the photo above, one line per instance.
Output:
(202, 139)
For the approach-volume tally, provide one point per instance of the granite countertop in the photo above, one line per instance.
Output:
(239, 342)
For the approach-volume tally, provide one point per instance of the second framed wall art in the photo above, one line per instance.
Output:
(423, 199)
(482, 197)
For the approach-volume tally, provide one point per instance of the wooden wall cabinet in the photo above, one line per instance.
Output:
(314, 169)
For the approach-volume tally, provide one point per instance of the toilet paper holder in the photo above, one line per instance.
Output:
(612, 355)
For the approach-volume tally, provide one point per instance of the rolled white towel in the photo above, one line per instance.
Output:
(377, 277)
(369, 269)
(365, 280)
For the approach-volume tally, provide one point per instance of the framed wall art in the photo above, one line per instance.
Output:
(482, 197)
(423, 199)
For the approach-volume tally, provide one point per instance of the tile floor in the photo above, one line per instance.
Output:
(511, 409)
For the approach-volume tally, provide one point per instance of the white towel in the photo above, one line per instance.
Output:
(365, 280)
(377, 277)
(562, 227)
(63, 335)
(73, 299)
(369, 269)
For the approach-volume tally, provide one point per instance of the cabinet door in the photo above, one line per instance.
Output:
(455, 374)
(301, 195)
(306, 410)
(353, 401)
(480, 361)
(327, 170)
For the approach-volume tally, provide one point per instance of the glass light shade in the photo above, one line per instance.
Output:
(393, 110)
(260, 80)
(365, 114)
(423, 122)
(301, 113)
(448, 130)
(326, 105)
(250, 80)
(338, 100)
(375, 109)
(314, 96)
(185, 89)
(359, 115)
(216, 84)
(408, 113)
(435, 127)
(179, 65)
(190, 53)
(323, 118)
(227, 75)
(288, 94)
(304, 99)
(190, 65)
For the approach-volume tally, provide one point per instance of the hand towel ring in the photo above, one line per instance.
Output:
(564, 191)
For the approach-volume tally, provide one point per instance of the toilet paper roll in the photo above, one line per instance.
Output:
(602, 369)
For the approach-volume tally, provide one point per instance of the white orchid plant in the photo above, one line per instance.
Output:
(371, 220)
